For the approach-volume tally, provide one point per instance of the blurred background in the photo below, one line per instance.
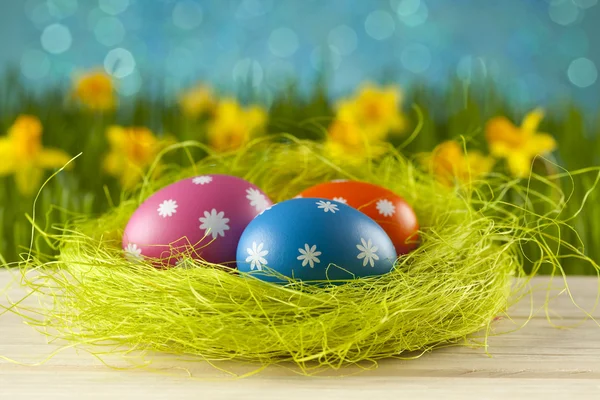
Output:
(540, 50)
(483, 86)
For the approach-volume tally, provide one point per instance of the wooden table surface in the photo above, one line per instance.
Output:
(538, 361)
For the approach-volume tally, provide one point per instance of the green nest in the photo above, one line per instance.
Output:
(452, 286)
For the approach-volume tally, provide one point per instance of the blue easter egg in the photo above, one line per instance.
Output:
(314, 239)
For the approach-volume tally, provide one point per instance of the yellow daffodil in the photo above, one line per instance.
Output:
(22, 154)
(132, 150)
(449, 164)
(347, 134)
(95, 90)
(347, 141)
(197, 100)
(233, 125)
(376, 110)
(519, 145)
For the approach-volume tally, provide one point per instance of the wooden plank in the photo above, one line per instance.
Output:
(585, 292)
(93, 385)
(536, 361)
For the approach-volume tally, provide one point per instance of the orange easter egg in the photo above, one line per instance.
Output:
(389, 210)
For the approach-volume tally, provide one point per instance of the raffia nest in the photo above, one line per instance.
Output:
(453, 285)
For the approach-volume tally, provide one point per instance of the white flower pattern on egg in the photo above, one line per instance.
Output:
(386, 208)
(327, 206)
(368, 252)
(340, 200)
(214, 223)
(257, 199)
(309, 255)
(202, 180)
(167, 208)
(256, 256)
(133, 253)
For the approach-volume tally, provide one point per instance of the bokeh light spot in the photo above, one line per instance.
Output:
(405, 8)
(62, 8)
(325, 58)
(113, 7)
(416, 18)
(585, 3)
(253, 8)
(283, 42)
(187, 15)
(248, 71)
(582, 72)
(56, 39)
(343, 38)
(35, 64)
(38, 13)
(416, 58)
(109, 31)
(564, 12)
(119, 62)
(380, 25)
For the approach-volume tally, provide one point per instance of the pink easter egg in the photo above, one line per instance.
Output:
(201, 217)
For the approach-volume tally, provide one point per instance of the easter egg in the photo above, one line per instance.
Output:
(388, 209)
(201, 217)
(315, 239)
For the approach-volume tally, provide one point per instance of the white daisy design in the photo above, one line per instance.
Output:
(167, 208)
(327, 206)
(202, 180)
(133, 253)
(309, 255)
(256, 256)
(340, 200)
(257, 199)
(214, 223)
(386, 208)
(298, 197)
(367, 252)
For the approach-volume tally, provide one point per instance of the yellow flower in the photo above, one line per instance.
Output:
(376, 110)
(348, 134)
(449, 164)
(348, 142)
(197, 100)
(519, 145)
(233, 125)
(95, 90)
(132, 150)
(345, 141)
(22, 154)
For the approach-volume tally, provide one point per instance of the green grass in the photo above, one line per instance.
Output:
(457, 111)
